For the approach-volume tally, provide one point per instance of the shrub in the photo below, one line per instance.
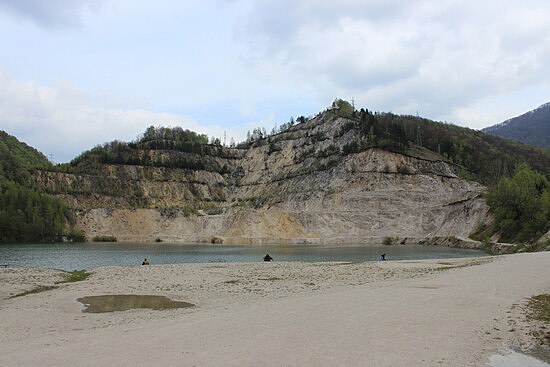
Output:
(388, 241)
(349, 148)
(404, 169)
(187, 211)
(76, 236)
(104, 239)
(329, 151)
(214, 211)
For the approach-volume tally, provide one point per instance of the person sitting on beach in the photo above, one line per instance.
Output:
(145, 262)
(268, 258)
(382, 257)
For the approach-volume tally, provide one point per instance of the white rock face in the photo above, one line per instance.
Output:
(300, 186)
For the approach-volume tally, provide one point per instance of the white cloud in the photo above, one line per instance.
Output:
(63, 120)
(141, 63)
(439, 58)
(51, 13)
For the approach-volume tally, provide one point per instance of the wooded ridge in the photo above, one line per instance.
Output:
(342, 175)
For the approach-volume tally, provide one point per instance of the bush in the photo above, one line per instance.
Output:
(349, 148)
(188, 210)
(404, 169)
(388, 241)
(214, 211)
(76, 236)
(104, 239)
(344, 108)
(329, 151)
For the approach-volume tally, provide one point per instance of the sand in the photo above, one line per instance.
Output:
(461, 312)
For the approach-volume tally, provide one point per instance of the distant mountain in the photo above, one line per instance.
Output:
(531, 128)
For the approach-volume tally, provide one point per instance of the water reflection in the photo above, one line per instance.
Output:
(124, 302)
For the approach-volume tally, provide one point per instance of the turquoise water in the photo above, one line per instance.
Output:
(69, 256)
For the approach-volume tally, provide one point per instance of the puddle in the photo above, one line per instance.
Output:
(124, 302)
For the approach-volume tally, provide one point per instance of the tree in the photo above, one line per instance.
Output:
(27, 215)
(344, 108)
(372, 135)
(520, 205)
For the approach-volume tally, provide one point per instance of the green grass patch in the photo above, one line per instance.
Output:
(538, 308)
(447, 265)
(69, 277)
(39, 289)
(74, 276)
(537, 312)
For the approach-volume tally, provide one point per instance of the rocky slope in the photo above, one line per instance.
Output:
(305, 185)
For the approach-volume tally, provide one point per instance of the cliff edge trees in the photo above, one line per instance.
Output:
(185, 149)
(481, 157)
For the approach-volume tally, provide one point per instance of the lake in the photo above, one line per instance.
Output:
(76, 256)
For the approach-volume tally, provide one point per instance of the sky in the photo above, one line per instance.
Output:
(78, 73)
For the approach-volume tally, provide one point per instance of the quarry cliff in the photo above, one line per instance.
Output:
(330, 179)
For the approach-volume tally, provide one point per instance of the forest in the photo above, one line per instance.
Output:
(154, 139)
(480, 157)
(27, 214)
(520, 205)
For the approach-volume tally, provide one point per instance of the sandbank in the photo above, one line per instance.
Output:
(458, 312)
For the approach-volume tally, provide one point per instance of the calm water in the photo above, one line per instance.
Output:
(68, 256)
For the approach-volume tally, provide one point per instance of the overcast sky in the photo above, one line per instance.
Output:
(77, 73)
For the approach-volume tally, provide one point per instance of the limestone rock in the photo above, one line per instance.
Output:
(299, 186)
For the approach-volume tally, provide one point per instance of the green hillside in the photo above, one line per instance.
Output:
(481, 157)
(26, 213)
(16, 157)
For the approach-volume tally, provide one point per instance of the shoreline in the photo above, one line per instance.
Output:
(87, 256)
(434, 312)
(218, 240)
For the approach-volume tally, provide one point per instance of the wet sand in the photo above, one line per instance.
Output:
(458, 312)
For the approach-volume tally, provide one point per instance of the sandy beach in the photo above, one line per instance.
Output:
(459, 312)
